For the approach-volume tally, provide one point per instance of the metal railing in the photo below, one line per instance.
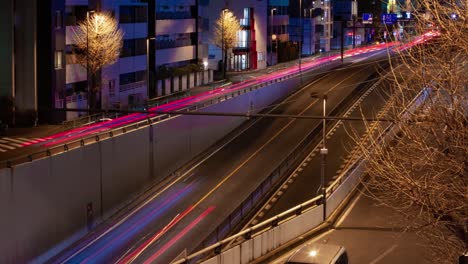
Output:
(216, 247)
(276, 177)
(144, 122)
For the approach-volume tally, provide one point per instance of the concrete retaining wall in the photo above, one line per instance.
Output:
(45, 201)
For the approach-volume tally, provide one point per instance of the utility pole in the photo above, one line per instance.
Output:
(223, 52)
(342, 40)
(301, 28)
(271, 36)
(151, 50)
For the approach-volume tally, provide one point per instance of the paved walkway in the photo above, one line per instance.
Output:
(232, 77)
(370, 234)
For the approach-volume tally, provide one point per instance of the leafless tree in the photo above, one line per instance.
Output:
(423, 172)
(99, 42)
(225, 36)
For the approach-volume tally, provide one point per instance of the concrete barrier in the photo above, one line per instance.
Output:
(45, 201)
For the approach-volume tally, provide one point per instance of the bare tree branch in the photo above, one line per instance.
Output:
(423, 173)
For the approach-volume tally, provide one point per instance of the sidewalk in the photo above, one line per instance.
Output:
(232, 77)
(370, 234)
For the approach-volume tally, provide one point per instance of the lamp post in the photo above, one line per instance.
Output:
(323, 152)
(148, 72)
(300, 38)
(271, 32)
(312, 29)
(87, 55)
(223, 12)
(274, 38)
(205, 67)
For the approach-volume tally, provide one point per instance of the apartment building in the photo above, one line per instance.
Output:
(168, 29)
(323, 21)
(278, 20)
(251, 50)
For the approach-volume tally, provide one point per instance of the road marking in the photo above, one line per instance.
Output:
(13, 140)
(316, 149)
(348, 210)
(2, 150)
(6, 146)
(253, 155)
(384, 254)
(147, 201)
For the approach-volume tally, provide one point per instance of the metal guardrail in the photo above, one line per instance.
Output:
(295, 211)
(275, 177)
(9, 163)
(77, 122)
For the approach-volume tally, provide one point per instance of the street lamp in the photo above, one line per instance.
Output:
(87, 54)
(312, 29)
(148, 79)
(300, 40)
(323, 151)
(205, 67)
(274, 38)
(271, 32)
(223, 12)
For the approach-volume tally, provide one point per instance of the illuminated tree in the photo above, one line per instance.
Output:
(99, 42)
(225, 35)
(423, 172)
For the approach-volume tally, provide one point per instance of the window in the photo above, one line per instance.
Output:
(75, 14)
(133, 14)
(132, 77)
(260, 56)
(112, 88)
(58, 19)
(58, 60)
(133, 47)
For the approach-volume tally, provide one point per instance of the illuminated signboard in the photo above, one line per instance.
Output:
(367, 18)
(389, 19)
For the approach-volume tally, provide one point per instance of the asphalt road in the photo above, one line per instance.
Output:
(341, 144)
(179, 216)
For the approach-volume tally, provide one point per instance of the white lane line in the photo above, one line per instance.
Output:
(384, 254)
(23, 139)
(6, 146)
(348, 210)
(13, 140)
(2, 150)
(188, 172)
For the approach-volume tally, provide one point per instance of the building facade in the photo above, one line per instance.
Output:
(278, 22)
(157, 34)
(250, 52)
(311, 25)
(42, 73)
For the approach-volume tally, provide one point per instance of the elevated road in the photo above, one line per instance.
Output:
(27, 146)
(181, 214)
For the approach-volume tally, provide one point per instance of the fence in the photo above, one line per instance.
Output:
(70, 145)
(271, 234)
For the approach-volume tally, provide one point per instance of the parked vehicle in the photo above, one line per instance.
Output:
(317, 253)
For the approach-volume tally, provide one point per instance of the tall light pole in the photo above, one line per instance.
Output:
(300, 38)
(223, 12)
(274, 39)
(148, 72)
(312, 30)
(323, 152)
(271, 38)
(87, 55)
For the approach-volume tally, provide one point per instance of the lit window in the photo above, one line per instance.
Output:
(58, 61)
